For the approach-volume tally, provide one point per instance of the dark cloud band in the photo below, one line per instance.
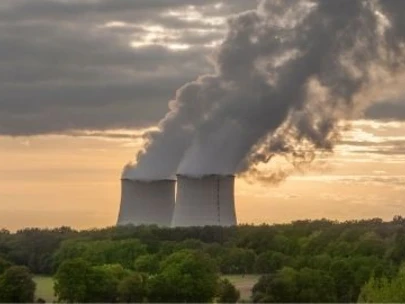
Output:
(62, 67)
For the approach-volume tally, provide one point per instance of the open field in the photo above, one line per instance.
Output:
(44, 288)
(244, 283)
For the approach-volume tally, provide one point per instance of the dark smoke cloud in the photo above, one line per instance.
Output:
(390, 111)
(286, 74)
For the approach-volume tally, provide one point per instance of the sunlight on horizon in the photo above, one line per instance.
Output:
(62, 180)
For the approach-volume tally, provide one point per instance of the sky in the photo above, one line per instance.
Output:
(81, 80)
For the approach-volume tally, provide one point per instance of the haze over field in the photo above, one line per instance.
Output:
(82, 81)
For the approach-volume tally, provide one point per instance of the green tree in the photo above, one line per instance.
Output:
(227, 292)
(370, 244)
(270, 261)
(315, 286)
(34, 247)
(382, 290)
(397, 253)
(101, 252)
(238, 261)
(191, 244)
(16, 285)
(276, 288)
(185, 276)
(283, 244)
(340, 249)
(147, 263)
(344, 281)
(4, 264)
(124, 252)
(289, 285)
(71, 281)
(133, 288)
(103, 281)
(321, 262)
(77, 281)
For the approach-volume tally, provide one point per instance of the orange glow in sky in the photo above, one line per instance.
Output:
(54, 180)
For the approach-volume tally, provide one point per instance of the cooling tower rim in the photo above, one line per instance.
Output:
(145, 180)
(201, 176)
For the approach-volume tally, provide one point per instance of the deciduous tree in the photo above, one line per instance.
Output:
(227, 292)
(133, 288)
(16, 285)
(185, 276)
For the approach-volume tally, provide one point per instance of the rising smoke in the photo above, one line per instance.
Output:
(285, 75)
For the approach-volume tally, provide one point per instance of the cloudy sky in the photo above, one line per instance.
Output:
(80, 80)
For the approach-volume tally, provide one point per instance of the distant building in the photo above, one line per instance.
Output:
(146, 202)
(205, 200)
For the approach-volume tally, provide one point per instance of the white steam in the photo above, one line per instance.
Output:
(286, 74)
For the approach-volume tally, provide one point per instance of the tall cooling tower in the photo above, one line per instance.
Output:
(146, 202)
(203, 201)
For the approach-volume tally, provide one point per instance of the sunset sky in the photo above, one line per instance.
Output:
(81, 80)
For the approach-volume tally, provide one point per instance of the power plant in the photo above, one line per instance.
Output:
(146, 202)
(207, 200)
(266, 96)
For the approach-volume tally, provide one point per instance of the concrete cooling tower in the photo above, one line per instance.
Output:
(204, 201)
(146, 202)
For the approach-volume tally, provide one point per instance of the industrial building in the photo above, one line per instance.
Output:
(146, 202)
(204, 200)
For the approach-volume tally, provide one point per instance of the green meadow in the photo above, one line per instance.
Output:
(44, 288)
(244, 283)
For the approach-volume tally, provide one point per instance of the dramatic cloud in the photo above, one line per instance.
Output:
(67, 67)
(286, 74)
(390, 110)
(396, 181)
(99, 64)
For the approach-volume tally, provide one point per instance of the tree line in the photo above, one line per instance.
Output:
(304, 261)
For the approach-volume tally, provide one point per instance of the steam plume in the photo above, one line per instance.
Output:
(285, 75)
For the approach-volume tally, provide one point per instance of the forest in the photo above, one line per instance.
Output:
(303, 261)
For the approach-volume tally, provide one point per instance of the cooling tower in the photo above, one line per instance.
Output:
(146, 202)
(203, 201)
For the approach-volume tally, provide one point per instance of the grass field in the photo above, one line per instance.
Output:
(44, 288)
(243, 283)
